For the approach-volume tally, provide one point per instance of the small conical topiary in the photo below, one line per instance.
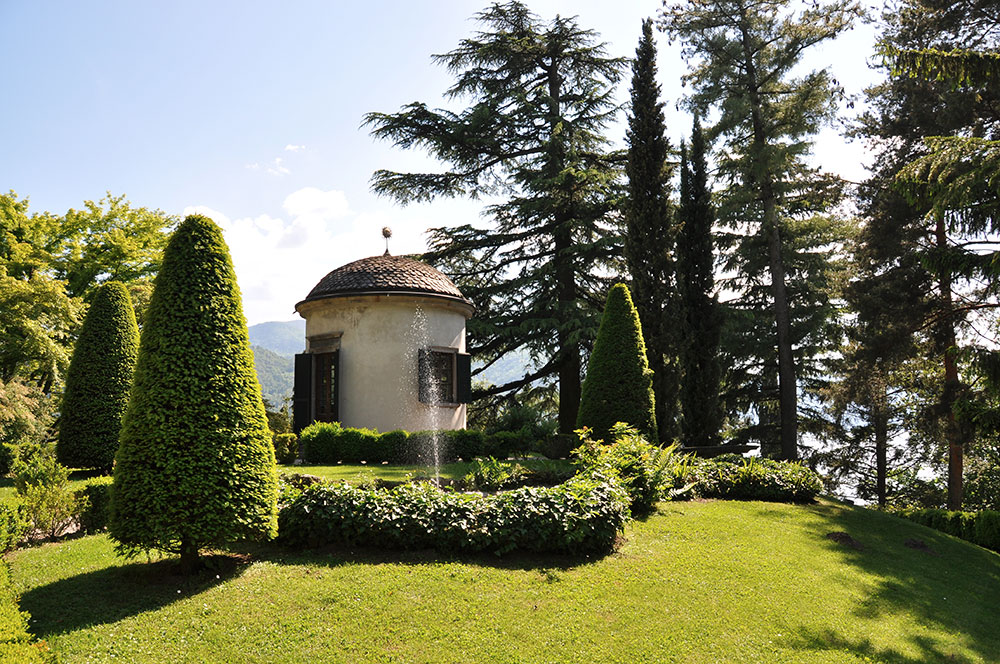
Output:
(195, 466)
(98, 381)
(618, 386)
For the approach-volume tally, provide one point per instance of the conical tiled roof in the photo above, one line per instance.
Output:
(385, 274)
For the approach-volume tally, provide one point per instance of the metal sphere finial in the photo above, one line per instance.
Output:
(386, 233)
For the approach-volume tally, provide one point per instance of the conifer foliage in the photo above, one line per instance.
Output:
(195, 466)
(98, 381)
(650, 237)
(618, 386)
(700, 319)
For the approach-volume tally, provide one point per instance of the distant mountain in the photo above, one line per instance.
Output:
(282, 337)
(275, 373)
(509, 367)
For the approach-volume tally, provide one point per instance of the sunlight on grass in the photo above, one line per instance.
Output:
(695, 582)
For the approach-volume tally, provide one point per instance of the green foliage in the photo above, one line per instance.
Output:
(640, 465)
(700, 315)
(754, 478)
(16, 644)
(196, 465)
(982, 528)
(42, 484)
(25, 418)
(98, 381)
(651, 231)
(585, 514)
(539, 95)
(94, 500)
(618, 387)
(490, 474)
(276, 374)
(13, 525)
(286, 447)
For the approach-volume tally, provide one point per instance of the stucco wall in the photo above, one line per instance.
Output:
(380, 337)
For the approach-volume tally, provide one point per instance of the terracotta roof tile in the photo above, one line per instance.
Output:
(386, 273)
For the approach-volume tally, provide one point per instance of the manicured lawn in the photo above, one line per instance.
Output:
(695, 582)
(353, 473)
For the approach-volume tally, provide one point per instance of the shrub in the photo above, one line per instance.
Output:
(558, 445)
(492, 475)
(42, 485)
(987, 529)
(286, 447)
(16, 646)
(584, 514)
(618, 386)
(320, 442)
(95, 504)
(465, 444)
(98, 381)
(982, 528)
(394, 445)
(640, 465)
(755, 479)
(195, 466)
(13, 525)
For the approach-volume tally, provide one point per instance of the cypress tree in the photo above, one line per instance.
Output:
(650, 236)
(701, 320)
(618, 386)
(195, 466)
(98, 381)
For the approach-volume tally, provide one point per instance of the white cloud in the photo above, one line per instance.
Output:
(294, 148)
(277, 167)
(279, 260)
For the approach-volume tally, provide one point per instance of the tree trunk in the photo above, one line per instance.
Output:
(189, 557)
(953, 432)
(880, 419)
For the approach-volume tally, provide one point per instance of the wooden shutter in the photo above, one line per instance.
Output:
(463, 378)
(302, 392)
(424, 375)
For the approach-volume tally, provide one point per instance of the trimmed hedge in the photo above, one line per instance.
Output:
(16, 646)
(286, 447)
(619, 382)
(195, 466)
(584, 514)
(755, 478)
(329, 442)
(982, 528)
(13, 525)
(95, 499)
(98, 381)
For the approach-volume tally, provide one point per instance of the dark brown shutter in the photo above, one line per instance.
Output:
(302, 392)
(463, 380)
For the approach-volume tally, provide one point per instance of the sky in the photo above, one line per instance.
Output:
(250, 112)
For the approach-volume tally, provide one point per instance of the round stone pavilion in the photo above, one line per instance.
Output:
(385, 348)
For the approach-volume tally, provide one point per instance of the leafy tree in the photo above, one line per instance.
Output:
(618, 387)
(539, 96)
(650, 231)
(742, 54)
(700, 316)
(195, 466)
(98, 381)
(929, 245)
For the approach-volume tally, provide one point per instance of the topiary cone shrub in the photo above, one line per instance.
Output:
(195, 467)
(98, 381)
(618, 386)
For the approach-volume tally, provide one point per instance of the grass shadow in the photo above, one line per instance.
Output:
(113, 593)
(945, 583)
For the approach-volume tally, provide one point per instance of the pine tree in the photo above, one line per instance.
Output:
(195, 466)
(618, 387)
(742, 54)
(98, 381)
(701, 317)
(650, 232)
(540, 95)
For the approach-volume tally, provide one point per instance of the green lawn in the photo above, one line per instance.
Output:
(695, 582)
(350, 472)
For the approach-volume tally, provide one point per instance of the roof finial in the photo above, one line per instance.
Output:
(386, 233)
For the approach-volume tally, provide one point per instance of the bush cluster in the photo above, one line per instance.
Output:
(734, 477)
(328, 442)
(982, 528)
(491, 474)
(94, 500)
(13, 525)
(46, 501)
(16, 646)
(286, 447)
(584, 514)
(640, 465)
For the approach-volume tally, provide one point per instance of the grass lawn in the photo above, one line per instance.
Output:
(352, 473)
(695, 582)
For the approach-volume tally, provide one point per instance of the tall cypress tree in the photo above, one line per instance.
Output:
(650, 232)
(539, 97)
(98, 381)
(700, 319)
(195, 466)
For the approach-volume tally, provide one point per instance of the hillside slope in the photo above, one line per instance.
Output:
(696, 582)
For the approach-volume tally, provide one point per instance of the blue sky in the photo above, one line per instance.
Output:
(251, 112)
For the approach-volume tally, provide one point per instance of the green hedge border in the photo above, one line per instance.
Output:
(982, 528)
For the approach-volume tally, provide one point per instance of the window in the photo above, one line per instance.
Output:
(444, 376)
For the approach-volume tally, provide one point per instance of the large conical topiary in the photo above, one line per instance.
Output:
(618, 387)
(98, 381)
(195, 467)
